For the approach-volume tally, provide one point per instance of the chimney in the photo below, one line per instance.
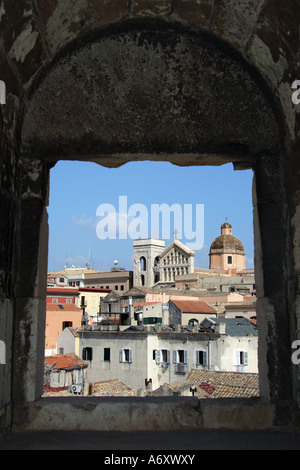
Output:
(220, 328)
(131, 318)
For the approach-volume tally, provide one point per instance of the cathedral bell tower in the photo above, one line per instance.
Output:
(146, 253)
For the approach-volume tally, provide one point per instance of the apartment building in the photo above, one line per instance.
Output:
(160, 353)
(117, 279)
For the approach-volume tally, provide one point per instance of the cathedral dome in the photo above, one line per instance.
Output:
(227, 251)
(227, 244)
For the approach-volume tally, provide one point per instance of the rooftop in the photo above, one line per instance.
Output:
(59, 306)
(65, 361)
(237, 326)
(225, 384)
(193, 306)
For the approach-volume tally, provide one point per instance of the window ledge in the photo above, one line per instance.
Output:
(142, 413)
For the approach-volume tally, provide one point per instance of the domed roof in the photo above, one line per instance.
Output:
(227, 243)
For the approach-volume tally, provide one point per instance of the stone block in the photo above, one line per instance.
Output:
(28, 358)
(236, 414)
(195, 12)
(6, 328)
(28, 240)
(25, 49)
(235, 20)
(63, 20)
(150, 8)
(276, 40)
(107, 11)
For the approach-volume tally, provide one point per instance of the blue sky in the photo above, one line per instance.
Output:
(77, 189)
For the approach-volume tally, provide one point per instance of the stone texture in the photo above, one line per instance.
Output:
(148, 8)
(72, 70)
(144, 91)
(235, 20)
(108, 11)
(195, 12)
(130, 414)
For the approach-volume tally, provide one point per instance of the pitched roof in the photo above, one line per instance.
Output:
(225, 384)
(66, 307)
(65, 361)
(63, 290)
(178, 244)
(140, 290)
(193, 306)
(234, 326)
(140, 304)
(68, 271)
(113, 387)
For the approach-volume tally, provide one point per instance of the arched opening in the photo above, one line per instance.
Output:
(227, 116)
(143, 263)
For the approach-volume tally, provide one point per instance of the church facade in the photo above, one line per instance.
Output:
(153, 263)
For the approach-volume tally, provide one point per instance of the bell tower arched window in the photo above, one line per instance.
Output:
(143, 263)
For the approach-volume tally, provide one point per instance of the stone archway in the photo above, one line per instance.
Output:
(157, 91)
(148, 73)
(149, 89)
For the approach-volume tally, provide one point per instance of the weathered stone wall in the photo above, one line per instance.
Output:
(196, 82)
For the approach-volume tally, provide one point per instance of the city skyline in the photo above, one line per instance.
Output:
(78, 188)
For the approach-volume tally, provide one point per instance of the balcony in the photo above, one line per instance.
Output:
(180, 368)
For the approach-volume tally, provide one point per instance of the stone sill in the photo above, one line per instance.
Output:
(141, 414)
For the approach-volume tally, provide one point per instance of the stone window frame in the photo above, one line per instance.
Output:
(106, 354)
(198, 361)
(262, 229)
(126, 355)
(87, 353)
(270, 211)
(163, 356)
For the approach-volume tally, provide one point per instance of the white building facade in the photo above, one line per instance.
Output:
(164, 356)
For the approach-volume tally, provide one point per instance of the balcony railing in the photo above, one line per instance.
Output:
(180, 368)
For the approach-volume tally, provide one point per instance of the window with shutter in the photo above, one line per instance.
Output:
(125, 355)
(201, 357)
(87, 354)
(236, 358)
(185, 358)
(240, 358)
(168, 356)
(158, 356)
(130, 355)
(175, 357)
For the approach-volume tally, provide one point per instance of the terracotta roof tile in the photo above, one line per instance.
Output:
(66, 307)
(113, 387)
(219, 384)
(193, 306)
(65, 361)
